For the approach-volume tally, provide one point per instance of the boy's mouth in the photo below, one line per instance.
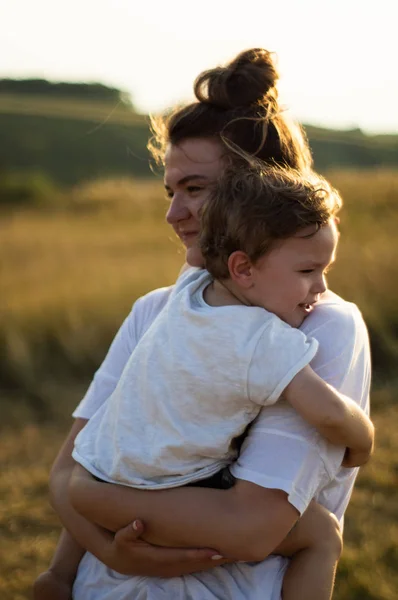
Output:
(307, 307)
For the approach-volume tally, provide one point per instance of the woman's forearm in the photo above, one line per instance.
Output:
(125, 552)
(244, 523)
(87, 535)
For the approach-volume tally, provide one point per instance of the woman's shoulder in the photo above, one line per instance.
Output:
(343, 357)
(153, 299)
(333, 312)
(146, 309)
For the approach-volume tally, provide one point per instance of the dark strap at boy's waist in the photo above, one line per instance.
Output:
(222, 480)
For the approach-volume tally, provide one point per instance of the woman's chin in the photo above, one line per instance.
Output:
(194, 257)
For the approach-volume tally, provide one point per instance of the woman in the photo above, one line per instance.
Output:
(283, 464)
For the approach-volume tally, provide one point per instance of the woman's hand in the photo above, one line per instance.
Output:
(130, 555)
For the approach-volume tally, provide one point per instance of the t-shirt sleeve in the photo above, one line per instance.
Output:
(280, 353)
(281, 451)
(134, 326)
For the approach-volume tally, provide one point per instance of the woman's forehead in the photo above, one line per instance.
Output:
(196, 155)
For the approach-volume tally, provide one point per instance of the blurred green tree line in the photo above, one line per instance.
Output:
(71, 132)
(84, 91)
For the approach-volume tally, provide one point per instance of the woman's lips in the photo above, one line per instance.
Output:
(187, 237)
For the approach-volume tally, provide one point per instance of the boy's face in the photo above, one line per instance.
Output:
(289, 279)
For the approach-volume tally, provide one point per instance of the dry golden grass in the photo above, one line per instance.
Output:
(366, 270)
(68, 278)
(80, 257)
(113, 242)
(29, 527)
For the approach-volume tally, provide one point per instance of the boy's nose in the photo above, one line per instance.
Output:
(320, 286)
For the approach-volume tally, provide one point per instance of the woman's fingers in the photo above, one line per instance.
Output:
(130, 533)
(147, 559)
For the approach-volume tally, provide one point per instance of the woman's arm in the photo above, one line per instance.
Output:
(338, 418)
(245, 522)
(124, 553)
(283, 462)
(86, 536)
(57, 581)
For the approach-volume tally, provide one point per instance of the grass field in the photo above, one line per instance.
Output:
(69, 276)
(29, 528)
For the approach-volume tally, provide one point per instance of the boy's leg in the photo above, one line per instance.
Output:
(56, 583)
(314, 545)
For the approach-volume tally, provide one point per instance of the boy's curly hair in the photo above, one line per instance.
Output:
(249, 208)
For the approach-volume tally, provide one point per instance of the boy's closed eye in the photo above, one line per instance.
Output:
(324, 272)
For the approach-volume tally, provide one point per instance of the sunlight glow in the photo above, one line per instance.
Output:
(336, 58)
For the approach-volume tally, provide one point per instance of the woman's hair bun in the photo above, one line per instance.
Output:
(245, 81)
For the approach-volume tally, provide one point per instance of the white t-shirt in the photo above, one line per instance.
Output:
(193, 383)
(281, 451)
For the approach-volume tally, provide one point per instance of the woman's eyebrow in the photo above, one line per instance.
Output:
(187, 179)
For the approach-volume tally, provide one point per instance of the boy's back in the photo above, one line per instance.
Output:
(198, 376)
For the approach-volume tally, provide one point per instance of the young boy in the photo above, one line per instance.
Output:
(208, 364)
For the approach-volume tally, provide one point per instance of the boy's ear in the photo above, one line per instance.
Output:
(240, 269)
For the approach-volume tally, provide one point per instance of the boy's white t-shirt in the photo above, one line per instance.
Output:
(195, 380)
(281, 451)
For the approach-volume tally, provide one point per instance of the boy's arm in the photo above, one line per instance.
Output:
(245, 522)
(338, 418)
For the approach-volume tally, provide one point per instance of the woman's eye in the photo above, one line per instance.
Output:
(192, 189)
(307, 271)
(169, 194)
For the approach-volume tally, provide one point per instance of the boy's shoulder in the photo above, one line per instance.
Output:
(148, 307)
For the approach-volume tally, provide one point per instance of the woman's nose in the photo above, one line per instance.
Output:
(178, 211)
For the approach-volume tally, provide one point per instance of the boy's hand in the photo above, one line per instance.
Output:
(130, 555)
(50, 586)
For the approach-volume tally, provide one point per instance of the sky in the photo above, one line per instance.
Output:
(337, 58)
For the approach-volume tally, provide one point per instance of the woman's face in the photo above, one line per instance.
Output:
(190, 168)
